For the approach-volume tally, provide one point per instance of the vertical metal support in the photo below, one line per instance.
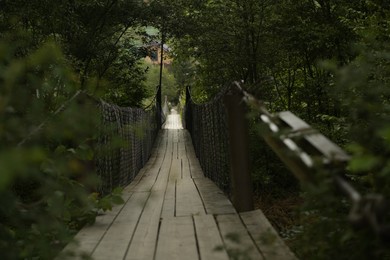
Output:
(188, 111)
(158, 108)
(241, 181)
(158, 99)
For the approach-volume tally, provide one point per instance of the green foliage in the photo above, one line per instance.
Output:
(46, 157)
(362, 85)
(269, 176)
(99, 40)
(169, 87)
(48, 184)
(125, 77)
(327, 233)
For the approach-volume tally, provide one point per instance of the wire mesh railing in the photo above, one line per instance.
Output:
(208, 129)
(125, 143)
(122, 141)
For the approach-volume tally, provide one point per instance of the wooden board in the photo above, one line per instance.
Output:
(144, 240)
(183, 156)
(293, 121)
(209, 239)
(214, 200)
(182, 144)
(169, 206)
(235, 237)
(147, 176)
(317, 140)
(195, 168)
(175, 170)
(185, 168)
(89, 237)
(327, 147)
(265, 236)
(188, 201)
(117, 238)
(177, 239)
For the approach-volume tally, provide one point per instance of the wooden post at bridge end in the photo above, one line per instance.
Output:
(241, 181)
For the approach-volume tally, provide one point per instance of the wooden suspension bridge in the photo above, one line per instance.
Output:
(172, 211)
(174, 206)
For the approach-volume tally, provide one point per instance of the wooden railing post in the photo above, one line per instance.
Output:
(241, 181)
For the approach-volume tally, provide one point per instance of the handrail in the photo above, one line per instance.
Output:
(305, 150)
(116, 165)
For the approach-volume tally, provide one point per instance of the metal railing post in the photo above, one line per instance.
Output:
(188, 111)
(241, 181)
(158, 107)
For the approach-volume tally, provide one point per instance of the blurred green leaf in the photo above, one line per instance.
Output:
(363, 163)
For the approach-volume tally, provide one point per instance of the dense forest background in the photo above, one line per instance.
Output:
(327, 61)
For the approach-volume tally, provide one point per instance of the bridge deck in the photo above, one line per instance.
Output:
(172, 211)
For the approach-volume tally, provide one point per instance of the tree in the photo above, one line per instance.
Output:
(47, 179)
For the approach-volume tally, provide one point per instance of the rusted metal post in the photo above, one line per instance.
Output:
(241, 181)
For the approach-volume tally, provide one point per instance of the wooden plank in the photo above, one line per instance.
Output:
(147, 176)
(144, 240)
(149, 179)
(167, 184)
(185, 168)
(188, 201)
(182, 144)
(117, 238)
(266, 237)
(169, 206)
(214, 200)
(177, 239)
(293, 121)
(89, 237)
(317, 140)
(145, 237)
(164, 170)
(237, 241)
(175, 135)
(195, 168)
(175, 171)
(209, 239)
(184, 162)
(327, 147)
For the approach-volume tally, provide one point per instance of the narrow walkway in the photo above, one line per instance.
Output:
(173, 212)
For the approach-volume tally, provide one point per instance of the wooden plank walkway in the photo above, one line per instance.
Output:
(172, 211)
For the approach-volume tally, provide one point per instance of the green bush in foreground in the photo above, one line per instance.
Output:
(47, 179)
